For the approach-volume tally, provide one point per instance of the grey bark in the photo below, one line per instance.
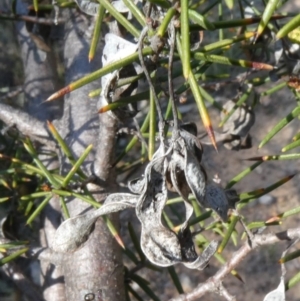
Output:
(98, 264)
(97, 267)
(40, 81)
(39, 67)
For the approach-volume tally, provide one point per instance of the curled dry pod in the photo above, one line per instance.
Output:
(195, 176)
(189, 256)
(240, 122)
(232, 197)
(188, 131)
(73, 232)
(278, 294)
(136, 185)
(176, 174)
(176, 182)
(187, 154)
(162, 246)
(216, 199)
(237, 126)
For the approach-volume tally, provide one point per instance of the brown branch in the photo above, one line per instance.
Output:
(212, 284)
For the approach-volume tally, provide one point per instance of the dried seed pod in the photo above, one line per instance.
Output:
(186, 157)
(202, 261)
(232, 197)
(216, 199)
(238, 125)
(177, 183)
(162, 246)
(73, 232)
(189, 127)
(278, 294)
(111, 92)
(136, 185)
(195, 177)
(177, 175)
(188, 131)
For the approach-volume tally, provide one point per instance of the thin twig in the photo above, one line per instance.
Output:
(149, 10)
(248, 232)
(157, 104)
(44, 21)
(170, 79)
(224, 293)
(139, 133)
(211, 284)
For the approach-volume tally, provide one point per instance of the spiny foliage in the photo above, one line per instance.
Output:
(156, 35)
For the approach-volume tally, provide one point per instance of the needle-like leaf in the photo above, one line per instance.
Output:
(97, 32)
(64, 147)
(231, 228)
(202, 109)
(136, 12)
(275, 157)
(291, 146)
(120, 18)
(185, 39)
(166, 21)
(12, 256)
(99, 73)
(29, 147)
(200, 20)
(288, 27)
(224, 60)
(152, 127)
(175, 280)
(284, 215)
(247, 196)
(290, 256)
(227, 42)
(35, 5)
(39, 208)
(267, 14)
(280, 125)
(76, 166)
(293, 281)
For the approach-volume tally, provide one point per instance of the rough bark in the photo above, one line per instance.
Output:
(40, 81)
(97, 267)
(39, 67)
